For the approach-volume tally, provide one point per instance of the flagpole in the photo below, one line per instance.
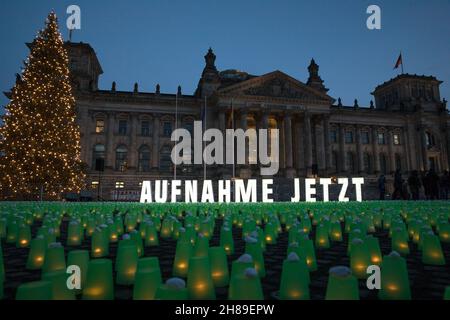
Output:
(176, 138)
(204, 163)
(232, 124)
(401, 54)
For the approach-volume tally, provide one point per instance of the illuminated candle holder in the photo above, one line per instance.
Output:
(36, 255)
(166, 228)
(99, 281)
(146, 284)
(99, 243)
(74, 233)
(360, 258)
(173, 289)
(183, 253)
(54, 258)
(148, 263)
(226, 240)
(201, 247)
(342, 285)
(79, 258)
(151, 235)
(12, 231)
(444, 232)
(322, 239)
(246, 286)
(294, 284)
(200, 285)
(58, 280)
(253, 248)
(432, 251)
(399, 242)
(37, 290)
(138, 241)
(126, 263)
(394, 278)
(219, 266)
(306, 246)
(23, 236)
(270, 234)
(336, 232)
(373, 246)
(90, 227)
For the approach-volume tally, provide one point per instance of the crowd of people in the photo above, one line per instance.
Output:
(419, 185)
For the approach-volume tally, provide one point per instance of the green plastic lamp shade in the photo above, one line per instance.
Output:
(79, 258)
(295, 279)
(3, 225)
(239, 266)
(246, 286)
(342, 285)
(431, 250)
(99, 282)
(270, 233)
(336, 232)
(447, 293)
(201, 247)
(374, 249)
(253, 248)
(147, 282)
(99, 243)
(148, 263)
(173, 289)
(54, 258)
(307, 246)
(136, 236)
(183, 253)
(219, 266)
(74, 233)
(226, 240)
(36, 255)
(23, 236)
(126, 263)
(166, 228)
(399, 243)
(151, 235)
(58, 279)
(38, 290)
(394, 278)
(12, 231)
(359, 258)
(200, 285)
(444, 232)
(322, 239)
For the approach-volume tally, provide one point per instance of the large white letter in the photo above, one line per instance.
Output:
(74, 20)
(207, 192)
(74, 280)
(245, 195)
(325, 182)
(146, 192)
(344, 182)
(224, 191)
(190, 191)
(296, 197)
(160, 192)
(175, 190)
(310, 191)
(266, 191)
(358, 182)
(213, 153)
(374, 21)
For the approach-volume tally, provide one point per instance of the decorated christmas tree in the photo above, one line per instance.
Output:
(40, 139)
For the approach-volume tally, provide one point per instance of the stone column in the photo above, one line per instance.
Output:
(359, 152)
(326, 136)
(290, 171)
(282, 146)
(342, 164)
(411, 146)
(155, 141)
(423, 140)
(390, 137)
(308, 144)
(406, 152)
(320, 144)
(110, 154)
(376, 155)
(133, 151)
(299, 147)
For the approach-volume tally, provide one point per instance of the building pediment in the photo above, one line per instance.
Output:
(277, 85)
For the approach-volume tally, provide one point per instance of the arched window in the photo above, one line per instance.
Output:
(350, 162)
(367, 164)
(383, 162)
(144, 159)
(121, 158)
(98, 153)
(165, 160)
(398, 162)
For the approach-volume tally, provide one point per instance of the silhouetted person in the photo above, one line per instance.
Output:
(444, 184)
(382, 186)
(433, 184)
(398, 185)
(414, 184)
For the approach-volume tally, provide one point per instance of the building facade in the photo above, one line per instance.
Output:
(126, 135)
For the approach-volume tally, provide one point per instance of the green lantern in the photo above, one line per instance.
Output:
(79, 258)
(58, 279)
(295, 279)
(431, 250)
(151, 235)
(219, 266)
(447, 293)
(201, 247)
(359, 258)
(23, 236)
(99, 243)
(399, 243)
(12, 231)
(148, 263)
(146, 284)
(394, 278)
(322, 239)
(342, 285)
(36, 255)
(126, 263)
(307, 246)
(99, 282)
(444, 232)
(135, 235)
(173, 289)
(183, 253)
(166, 228)
(373, 246)
(199, 281)
(246, 286)
(239, 266)
(54, 258)
(226, 240)
(38, 290)
(74, 233)
(336, 231)
(3, 228)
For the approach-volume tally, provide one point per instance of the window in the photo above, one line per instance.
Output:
(365, 137)
(121, 158)
(165, 160)
(396, 139)
(123, 124)
(98, 153)
(189, 126)
(167, 129)
(367, 164)
(144, 159)
(333, 136)
(381, 138)
(383, 168)
(348, 136)
(430, 141)
(99, 126)
(120, 184)
(145, 128)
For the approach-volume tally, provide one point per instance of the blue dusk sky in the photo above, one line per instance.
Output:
(164, 41)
